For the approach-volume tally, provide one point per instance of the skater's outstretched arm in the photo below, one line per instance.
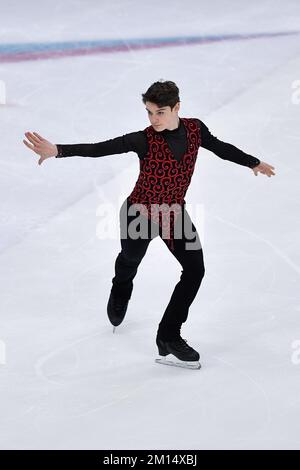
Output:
(227, 151)
(44, 148)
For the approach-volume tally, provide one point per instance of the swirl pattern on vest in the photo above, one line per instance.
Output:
(163, 180)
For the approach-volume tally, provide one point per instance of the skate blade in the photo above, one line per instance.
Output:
(173, 361)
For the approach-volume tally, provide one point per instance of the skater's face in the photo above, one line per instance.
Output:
(162, 117)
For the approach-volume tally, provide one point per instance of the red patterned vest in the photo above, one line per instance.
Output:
(163, 180)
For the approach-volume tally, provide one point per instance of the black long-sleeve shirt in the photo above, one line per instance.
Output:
(176, 138)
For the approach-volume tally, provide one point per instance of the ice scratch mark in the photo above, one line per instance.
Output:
(277, 250)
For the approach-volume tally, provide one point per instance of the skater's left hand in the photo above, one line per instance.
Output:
(264, 168)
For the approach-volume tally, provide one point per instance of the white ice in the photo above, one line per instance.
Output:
(66, 381)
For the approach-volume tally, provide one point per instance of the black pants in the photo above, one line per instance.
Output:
(191, 261)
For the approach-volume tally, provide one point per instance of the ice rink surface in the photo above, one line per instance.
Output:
(66, 381)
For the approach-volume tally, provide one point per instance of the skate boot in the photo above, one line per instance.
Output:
(116, 309)
(177, 353)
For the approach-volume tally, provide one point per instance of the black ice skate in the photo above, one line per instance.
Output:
(116, 309)
(177, 353)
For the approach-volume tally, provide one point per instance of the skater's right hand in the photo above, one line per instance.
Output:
(41, 146)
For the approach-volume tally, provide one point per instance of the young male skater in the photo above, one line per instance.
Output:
(167, 151)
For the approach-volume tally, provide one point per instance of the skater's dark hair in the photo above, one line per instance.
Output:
(162, 93)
